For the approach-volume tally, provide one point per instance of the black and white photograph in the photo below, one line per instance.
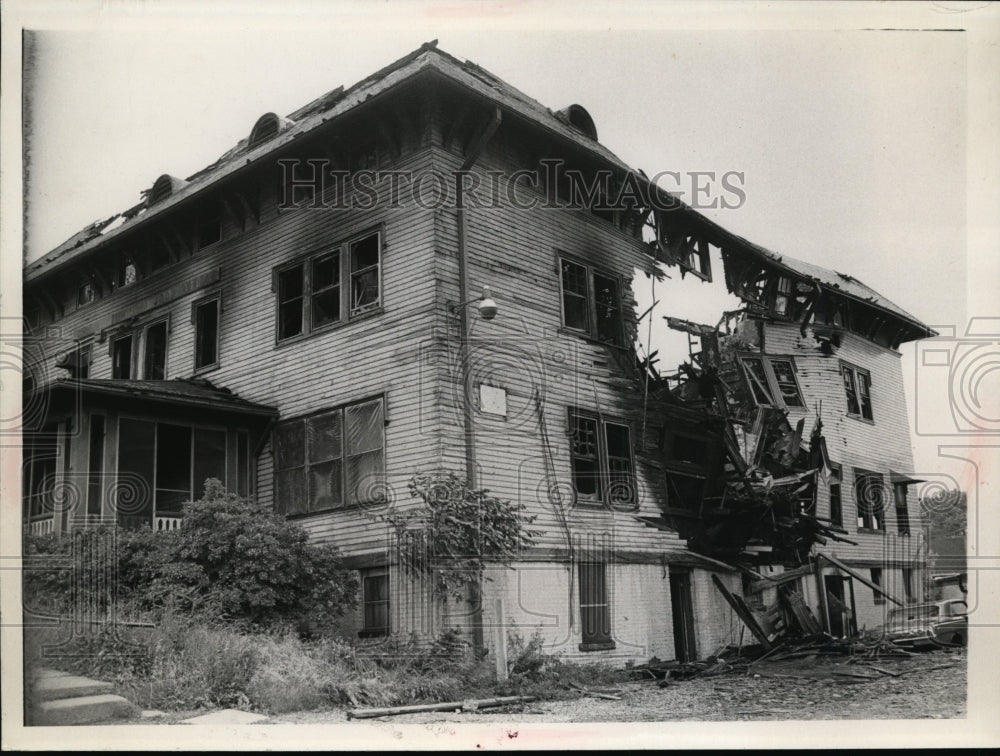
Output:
(495, 376)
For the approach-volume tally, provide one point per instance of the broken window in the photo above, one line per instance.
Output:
(876, 576)
(857, 386)
(869, 495)
(209, 227)
(121, 358)
(155, 355)
(330, 459)
(38, 479)
(772, 381)
(591, 302)
(595, 614)
(902, 512)
(601, 459)
(836, 510)
(206, 333)
(76, 362)
(310, 295)
(375, 603)
(86, 294)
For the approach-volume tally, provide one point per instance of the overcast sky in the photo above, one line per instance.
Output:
(852, 143)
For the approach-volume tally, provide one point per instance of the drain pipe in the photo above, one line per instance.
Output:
(475, 590)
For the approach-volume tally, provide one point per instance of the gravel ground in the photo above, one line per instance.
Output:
(772, 691)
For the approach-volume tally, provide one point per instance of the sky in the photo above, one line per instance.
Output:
(852, 144)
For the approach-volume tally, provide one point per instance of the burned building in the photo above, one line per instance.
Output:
(302, 320)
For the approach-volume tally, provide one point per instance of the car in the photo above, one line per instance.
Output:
(940, 623)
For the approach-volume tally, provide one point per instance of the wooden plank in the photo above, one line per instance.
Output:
(743, 614)
(481, 703)
(859, 577)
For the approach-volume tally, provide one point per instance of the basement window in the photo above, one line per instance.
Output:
(601, 460)
(595, 612)
(772, 381)
(857, 386)
(375, 603)
(869, 495)
(331, 459)
(310, 292)
(591, 302)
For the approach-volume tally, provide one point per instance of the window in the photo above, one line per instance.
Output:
(331, 459)
(591, 302)
(772, 381)
(86, 294)
(836, 506)
(601, 459)
(208, 229)
(77, 362)
(869, 494)
(162, 465)
(908, 583)
(95, 467)
(38, 479)
(206, 334)
(876, 576)
(121, 358)
(310, 294)
(155, 356)
(375, 603)
(125, 273)
(595, 614)
(857, 385)
(902, 513)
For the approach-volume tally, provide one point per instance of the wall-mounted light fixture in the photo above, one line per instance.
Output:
(486, 306)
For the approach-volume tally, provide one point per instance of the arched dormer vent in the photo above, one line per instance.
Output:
(268, 126)
(578, 117)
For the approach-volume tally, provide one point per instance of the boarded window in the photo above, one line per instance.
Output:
(206, 334)
(155, 361)
(375, 601)
(595, 614)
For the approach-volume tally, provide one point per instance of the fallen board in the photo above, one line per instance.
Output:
(482, 703)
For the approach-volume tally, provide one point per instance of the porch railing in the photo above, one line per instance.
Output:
(163, 523)
(41, 527)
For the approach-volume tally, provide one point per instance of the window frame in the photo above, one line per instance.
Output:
(877, 574)
(592, 331)
(869, 520)
(848, 370)
(603, 638)
(347, 314)
(902, 522)
(307, 463)
(604, 475)
(144, 342)
(115, 340)
(773, 386)
(836, 482)
(366, 630)
(196, 306)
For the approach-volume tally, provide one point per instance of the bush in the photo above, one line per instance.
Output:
(233, 561)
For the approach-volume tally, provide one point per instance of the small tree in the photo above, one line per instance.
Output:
(456, 531)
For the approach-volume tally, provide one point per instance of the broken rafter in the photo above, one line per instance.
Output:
(860, 578)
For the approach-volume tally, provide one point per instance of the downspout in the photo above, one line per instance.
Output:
(475, 590)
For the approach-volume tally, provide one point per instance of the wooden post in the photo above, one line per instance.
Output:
(500, 633)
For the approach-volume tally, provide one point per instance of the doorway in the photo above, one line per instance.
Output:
(682, 608)
(840, 605)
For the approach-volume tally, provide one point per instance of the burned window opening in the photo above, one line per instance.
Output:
(591, 302)
(602, 462)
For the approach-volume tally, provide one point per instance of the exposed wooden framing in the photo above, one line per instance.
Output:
(743, 612)
(859, 577)
(773, 582)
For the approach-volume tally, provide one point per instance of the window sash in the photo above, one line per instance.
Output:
(576, 298)
(121, 357)
(869, 495)
(602, 466)
(591, 302)
(857, 386)
(154, 347)
(206, 336)
(375, 603)
(595, 614)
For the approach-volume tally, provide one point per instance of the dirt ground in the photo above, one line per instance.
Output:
(930, 685)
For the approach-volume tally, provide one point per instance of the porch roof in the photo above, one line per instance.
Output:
(196, 394)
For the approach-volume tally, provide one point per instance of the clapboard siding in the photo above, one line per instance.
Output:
(880, 446)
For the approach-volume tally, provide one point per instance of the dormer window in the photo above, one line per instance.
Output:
(163, 187)
(268, 126)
